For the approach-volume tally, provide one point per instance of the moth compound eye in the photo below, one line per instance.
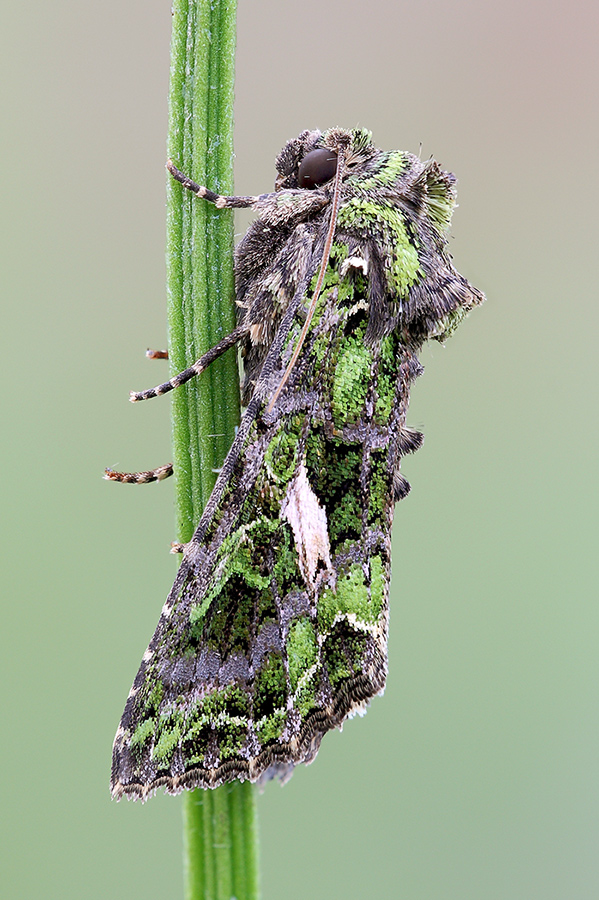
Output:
(317, 167)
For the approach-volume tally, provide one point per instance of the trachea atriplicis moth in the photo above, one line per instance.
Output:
(275, 630)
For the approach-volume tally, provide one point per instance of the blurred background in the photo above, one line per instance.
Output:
(477, 774)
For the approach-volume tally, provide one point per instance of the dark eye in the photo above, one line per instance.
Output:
(317, 167)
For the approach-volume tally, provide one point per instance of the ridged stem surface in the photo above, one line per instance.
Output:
(220, 826)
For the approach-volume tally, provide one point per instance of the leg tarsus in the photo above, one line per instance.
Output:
(158, 474)
(157, 354)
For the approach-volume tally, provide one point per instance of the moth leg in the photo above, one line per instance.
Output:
(198, 367)
(157, 354)
(158, 474)
(200, 191)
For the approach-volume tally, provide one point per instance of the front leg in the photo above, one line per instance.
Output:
(219, 201)
(275, 208)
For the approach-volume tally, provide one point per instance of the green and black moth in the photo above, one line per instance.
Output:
(275, 630)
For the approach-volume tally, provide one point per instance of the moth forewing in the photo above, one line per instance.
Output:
(275, 630)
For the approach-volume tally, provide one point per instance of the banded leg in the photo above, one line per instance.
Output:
(206, 194)
(198, 367)
(158, 474)
(157, 354)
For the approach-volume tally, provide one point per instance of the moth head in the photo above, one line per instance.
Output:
(310, 160)
(289, 159)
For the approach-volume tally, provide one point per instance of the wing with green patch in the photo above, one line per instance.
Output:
(276, 629)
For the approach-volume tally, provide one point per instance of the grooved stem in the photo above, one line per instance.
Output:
(220, 826)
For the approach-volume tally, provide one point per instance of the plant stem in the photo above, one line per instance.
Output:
(220, 826)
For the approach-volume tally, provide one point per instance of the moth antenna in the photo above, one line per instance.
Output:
(323, 266)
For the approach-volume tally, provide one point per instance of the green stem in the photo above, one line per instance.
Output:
(220, 826)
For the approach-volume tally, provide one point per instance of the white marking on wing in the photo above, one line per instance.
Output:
(308, 521)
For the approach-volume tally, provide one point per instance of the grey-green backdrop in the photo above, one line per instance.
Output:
(476, 776)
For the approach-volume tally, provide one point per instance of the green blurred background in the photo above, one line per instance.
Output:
(476, 777)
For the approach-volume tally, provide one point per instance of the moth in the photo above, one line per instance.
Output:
(275, 630)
